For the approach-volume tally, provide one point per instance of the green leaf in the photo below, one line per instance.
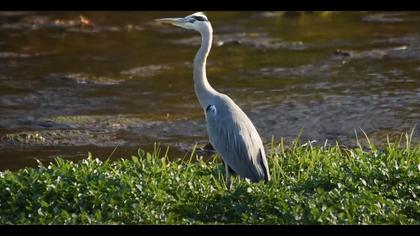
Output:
(135, 159)
(141, 153)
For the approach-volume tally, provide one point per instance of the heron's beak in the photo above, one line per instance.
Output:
(180, 22)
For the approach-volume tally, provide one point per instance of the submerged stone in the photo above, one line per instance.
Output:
(145, 71)
(60, 138)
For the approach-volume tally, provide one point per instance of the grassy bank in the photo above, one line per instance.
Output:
(310, 185)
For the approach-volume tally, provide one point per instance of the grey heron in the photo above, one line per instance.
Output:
(229, 129)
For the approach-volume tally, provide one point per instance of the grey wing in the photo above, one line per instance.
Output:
(234, 136)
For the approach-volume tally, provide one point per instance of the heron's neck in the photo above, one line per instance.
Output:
(203, 89)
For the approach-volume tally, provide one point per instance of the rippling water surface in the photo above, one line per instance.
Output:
(73, 82)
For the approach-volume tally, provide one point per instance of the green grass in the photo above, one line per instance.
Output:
(310, 185)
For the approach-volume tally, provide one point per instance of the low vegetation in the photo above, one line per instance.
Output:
(327, 184)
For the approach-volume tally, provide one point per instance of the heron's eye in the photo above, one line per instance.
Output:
(211, 108)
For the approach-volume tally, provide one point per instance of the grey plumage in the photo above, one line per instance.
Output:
(230, 131)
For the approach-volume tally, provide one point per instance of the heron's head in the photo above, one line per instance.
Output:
(197, 21)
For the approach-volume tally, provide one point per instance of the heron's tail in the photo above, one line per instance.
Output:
(267, 176)
(264, 165)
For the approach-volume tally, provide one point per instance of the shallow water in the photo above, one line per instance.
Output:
(73, 82)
